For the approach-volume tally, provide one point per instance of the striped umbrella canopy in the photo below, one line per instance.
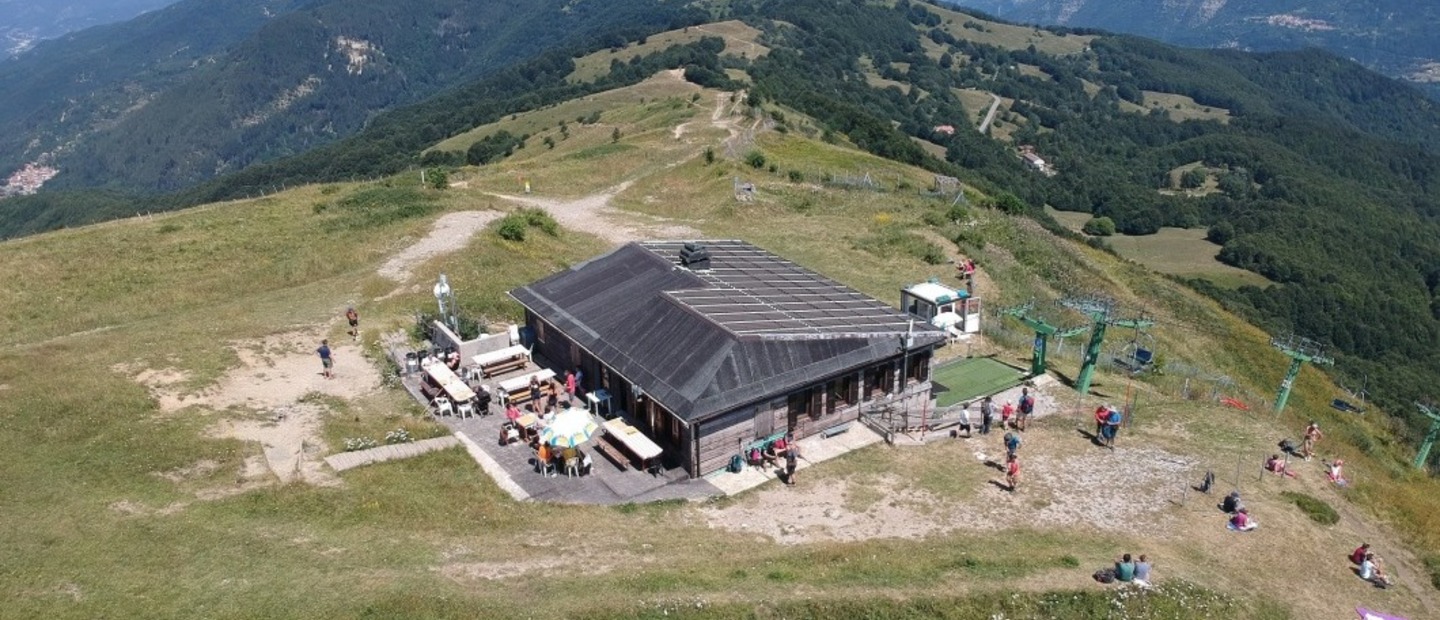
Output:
(570, 428)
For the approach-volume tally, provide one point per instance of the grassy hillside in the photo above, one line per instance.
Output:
(129, 496)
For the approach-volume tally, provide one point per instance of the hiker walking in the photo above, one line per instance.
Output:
(987, 415)
(353, 318)
(326, 362)
(1012, 472)
(1012, 444)
(1027, 407)
(1312, 435)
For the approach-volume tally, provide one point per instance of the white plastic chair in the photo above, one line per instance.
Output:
(572, 467)
(467, 409)
(443, 406)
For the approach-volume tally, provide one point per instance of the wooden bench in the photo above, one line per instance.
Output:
(603, 445)
(500, 368)
(836, 430)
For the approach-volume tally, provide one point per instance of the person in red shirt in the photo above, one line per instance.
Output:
(1358, 555)
(1012, 471)
(1102, 413)
(1007, 412)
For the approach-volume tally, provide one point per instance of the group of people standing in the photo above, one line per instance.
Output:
(1014, 418)
(1107, 425)
(1012, 415)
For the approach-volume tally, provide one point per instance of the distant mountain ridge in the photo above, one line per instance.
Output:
(1400, 38)
(25, 22)
(197, 90)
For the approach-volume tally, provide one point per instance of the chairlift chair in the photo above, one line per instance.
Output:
(1138, 355)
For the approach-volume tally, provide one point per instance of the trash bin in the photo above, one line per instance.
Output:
(412, 362)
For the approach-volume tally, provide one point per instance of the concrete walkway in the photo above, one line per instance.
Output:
(813, 449)
(348, 460)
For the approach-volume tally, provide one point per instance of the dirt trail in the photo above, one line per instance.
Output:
(593, 214)
(450, 233)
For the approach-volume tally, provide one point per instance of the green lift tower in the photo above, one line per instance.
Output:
(1430, 437)
(1043, 333)
(1101, 312)
(1300, 350)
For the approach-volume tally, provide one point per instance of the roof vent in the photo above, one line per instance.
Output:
(695, 257)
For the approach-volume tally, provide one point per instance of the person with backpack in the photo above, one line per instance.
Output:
(1027, 407)
(1012, 444)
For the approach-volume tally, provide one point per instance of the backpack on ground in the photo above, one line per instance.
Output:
(737, 464)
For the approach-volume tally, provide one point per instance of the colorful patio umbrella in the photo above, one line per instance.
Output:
(570, 428)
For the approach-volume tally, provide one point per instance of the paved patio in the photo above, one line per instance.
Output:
(513, 468)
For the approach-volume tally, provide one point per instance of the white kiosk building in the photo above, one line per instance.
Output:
(952, 310)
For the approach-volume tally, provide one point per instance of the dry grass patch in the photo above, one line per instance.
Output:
(740, 41)
(1010, 37)
(1181, 108)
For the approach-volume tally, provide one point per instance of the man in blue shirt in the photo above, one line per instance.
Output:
(325, 360)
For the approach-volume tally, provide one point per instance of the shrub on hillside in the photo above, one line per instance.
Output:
(513, 227)
(1099, 227)
(1318, 511)
(755, 159)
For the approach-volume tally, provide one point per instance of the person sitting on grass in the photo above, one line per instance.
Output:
(1232, 504)
(1242, 522)
(1142, 571)
(1125, 569)
(1373, 572)
(1336, 473)
(1277, 466)
(1357, 557)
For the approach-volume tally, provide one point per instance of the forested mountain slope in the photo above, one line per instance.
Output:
(305, 77)
(1400, 38)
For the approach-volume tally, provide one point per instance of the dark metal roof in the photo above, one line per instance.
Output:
(752, 327)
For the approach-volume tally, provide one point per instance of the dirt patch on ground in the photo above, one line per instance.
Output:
(594, 214)
(556, 563)
(1080, 487)
(450, 233)
(275, 372)
(291, 443)
(198, 469)
(271, 384)
(127, 507)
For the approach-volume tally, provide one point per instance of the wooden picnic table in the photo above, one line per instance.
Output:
(634, 441)
(453, 385)
(496, 362)
(517, 390)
